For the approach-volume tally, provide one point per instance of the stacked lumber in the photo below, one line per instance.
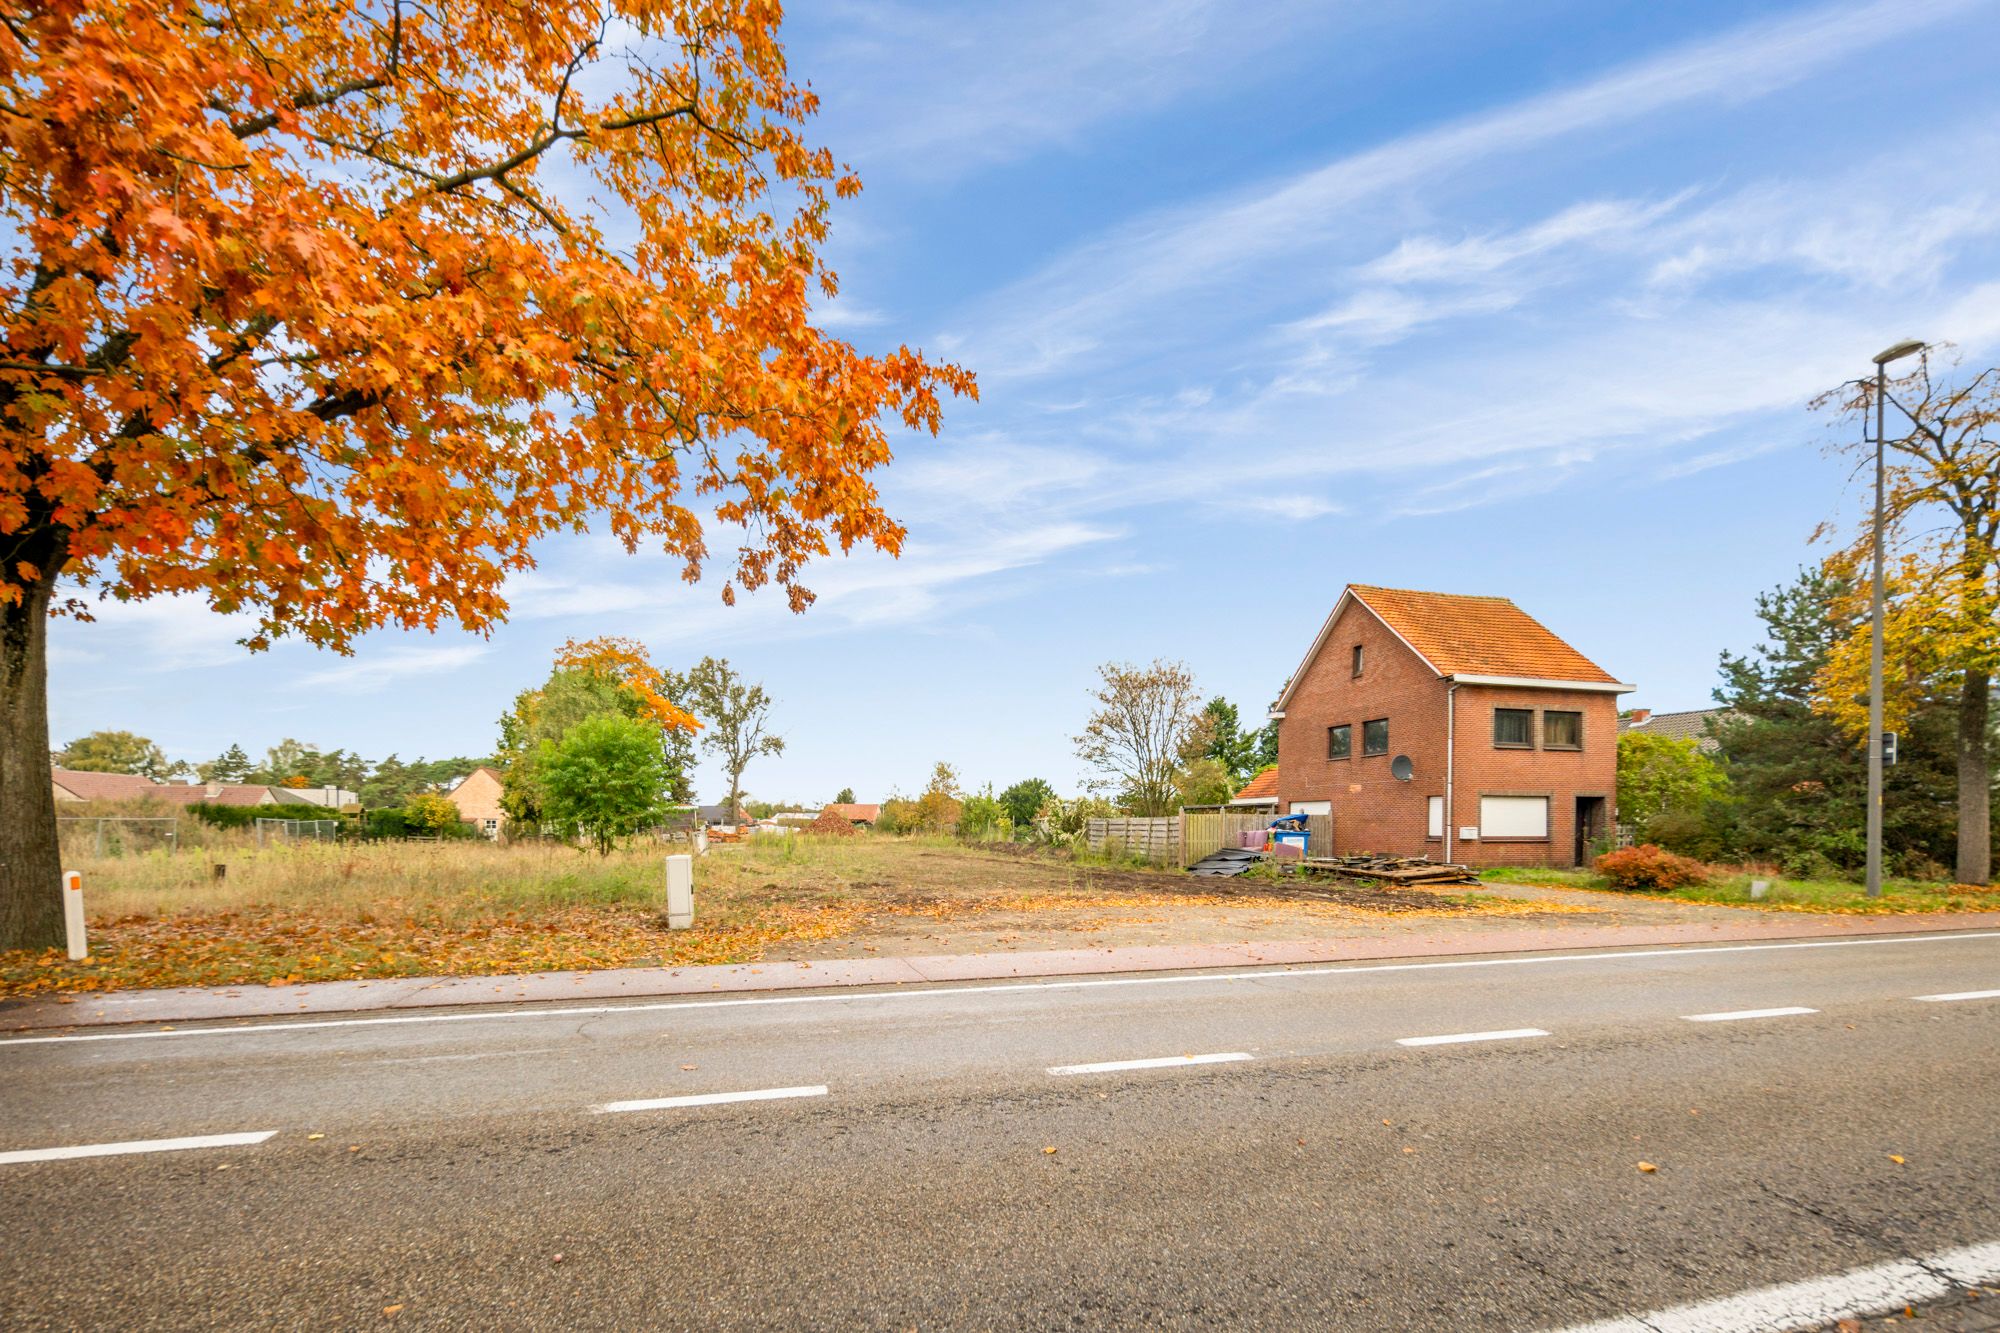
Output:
(1420, 870)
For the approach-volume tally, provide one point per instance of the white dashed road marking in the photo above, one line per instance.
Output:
(1360, 971)
(1505, 1034)
(1163, 1062)
(1962, 995)
(712, 1099)
(1818, 1302)
(1735, 1014)
(134, 1146)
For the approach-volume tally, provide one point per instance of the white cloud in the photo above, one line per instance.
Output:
(1094, 296)
(373, 666)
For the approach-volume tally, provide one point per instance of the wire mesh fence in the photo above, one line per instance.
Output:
(296, 830)
(119, 835)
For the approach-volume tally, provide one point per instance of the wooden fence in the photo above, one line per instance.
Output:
(1187, 838)
(1155, 839)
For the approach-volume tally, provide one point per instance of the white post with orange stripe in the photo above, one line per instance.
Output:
(79, 948)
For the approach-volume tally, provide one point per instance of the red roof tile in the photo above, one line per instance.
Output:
(1478, 636)
(1263, 787)
(89, 786)
(856, 814)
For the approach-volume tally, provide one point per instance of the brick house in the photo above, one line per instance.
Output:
(477, 797)
(1454, 727)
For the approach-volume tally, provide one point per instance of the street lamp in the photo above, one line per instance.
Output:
(1907, 347)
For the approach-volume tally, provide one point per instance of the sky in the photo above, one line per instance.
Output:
(1264, 298)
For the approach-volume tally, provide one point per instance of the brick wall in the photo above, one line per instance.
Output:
(1372, 811)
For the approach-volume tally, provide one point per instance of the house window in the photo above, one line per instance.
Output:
(1562, 731)
(1339, 741)
(1514, 728)
(1311, 808)
(1357, 660)
(1375, 736)
(1435, 828)
(1513, 817)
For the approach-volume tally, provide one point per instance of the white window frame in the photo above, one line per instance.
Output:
(1514, 817)
(1435, 825)
(1311, 808)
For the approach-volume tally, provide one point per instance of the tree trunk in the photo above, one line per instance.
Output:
(31, 912)
(1975, 782)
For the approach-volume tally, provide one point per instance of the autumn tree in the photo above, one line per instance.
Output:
(118, 752)
(429, 814)
(1141, 731)
(325, 314)
(735, 716)
(1664, 785)
(1941, 536)
(593, 678)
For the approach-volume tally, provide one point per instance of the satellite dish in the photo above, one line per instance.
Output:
(1401, 769)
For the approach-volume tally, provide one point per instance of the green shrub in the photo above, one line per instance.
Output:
(1648, 866)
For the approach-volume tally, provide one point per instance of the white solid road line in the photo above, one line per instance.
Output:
(1818, 1302)
(558, 1009)
(1734, 1014)
(1960, 995)
(712, 1099)
(136, 1145)
(1505, 1034)
(1162, 1062)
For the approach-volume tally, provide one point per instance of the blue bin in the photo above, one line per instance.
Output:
(1287, 838)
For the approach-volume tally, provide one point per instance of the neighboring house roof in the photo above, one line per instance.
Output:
(1260, 790)
(1477, 640)
(215, 793)
(720, 814)
(83, 785)
(331, 798)
(855, 813)
(1688, 725)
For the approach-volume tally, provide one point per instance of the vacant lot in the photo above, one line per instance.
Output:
(310, 912)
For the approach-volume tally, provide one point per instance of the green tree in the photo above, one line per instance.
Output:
(1267, 748)
(1025, 799)
(983, 817)
(605, 780)
(118, 752)
(431, 815)
(1665, 785)
(844, 797)
(232, 765)
(1204, 782)
(570, 696)
(1139, 735)
(1798, 777)
(1228, 744)
(735, 715)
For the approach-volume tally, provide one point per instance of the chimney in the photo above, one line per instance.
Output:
(1640, 716)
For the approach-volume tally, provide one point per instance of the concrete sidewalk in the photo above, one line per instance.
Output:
(197, 1003)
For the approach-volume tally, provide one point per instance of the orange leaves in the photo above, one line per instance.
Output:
(306, 304)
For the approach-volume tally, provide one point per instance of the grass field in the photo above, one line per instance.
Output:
(1731, 888)
(319, 911)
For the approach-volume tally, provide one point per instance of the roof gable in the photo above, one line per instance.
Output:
(1263, 787)
(1467, 637)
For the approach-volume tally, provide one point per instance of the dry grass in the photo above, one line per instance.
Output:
(317, 911)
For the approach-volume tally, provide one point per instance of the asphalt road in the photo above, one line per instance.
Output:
(454, 1169)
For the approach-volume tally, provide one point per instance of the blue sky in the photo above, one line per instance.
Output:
(1266, 298)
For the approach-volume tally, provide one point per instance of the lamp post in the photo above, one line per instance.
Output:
(1907, 347)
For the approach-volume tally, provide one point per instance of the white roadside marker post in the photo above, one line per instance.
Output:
(79, 947)
(680, 891)
(701, 841)
(1758, 888)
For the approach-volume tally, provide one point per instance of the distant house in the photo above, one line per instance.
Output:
(330, 798)
(861, 816)
(477, 796)
(1259, 793)
(722, 815)
(216, 793)
(1452, 726)
(80, 785)
(1694, 724)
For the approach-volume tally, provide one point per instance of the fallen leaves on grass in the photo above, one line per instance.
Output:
(281, 946)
